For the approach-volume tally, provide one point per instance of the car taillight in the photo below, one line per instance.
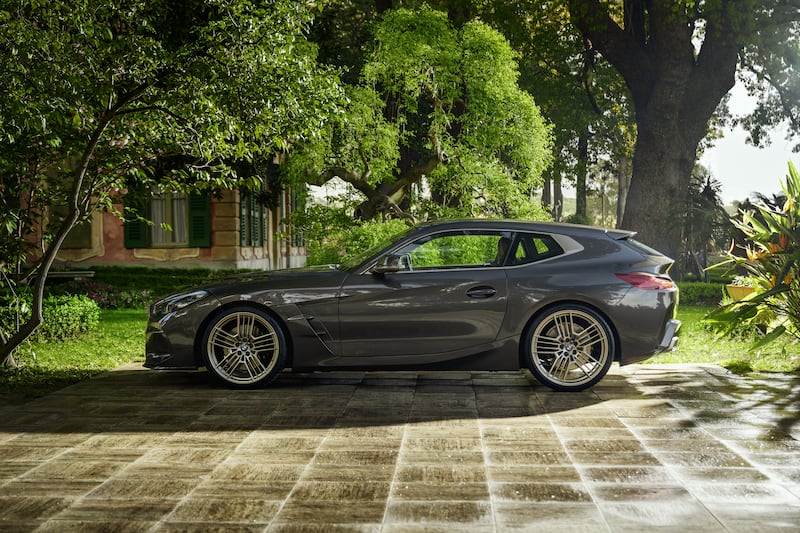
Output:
(646, 281)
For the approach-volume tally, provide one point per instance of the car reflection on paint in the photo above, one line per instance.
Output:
(561, 300)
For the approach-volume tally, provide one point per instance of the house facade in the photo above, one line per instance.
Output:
(231, 230)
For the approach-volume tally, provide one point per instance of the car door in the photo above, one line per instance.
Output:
(451, 296)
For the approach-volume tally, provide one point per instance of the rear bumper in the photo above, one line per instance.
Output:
(670, 339)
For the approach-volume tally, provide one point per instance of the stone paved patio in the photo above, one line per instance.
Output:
(657, 448)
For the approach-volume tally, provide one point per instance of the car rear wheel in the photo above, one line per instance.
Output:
(244, 348)
(569, 347)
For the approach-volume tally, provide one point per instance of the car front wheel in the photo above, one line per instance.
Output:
(569, 347)
(244, 348)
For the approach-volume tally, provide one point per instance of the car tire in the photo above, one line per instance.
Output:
(569, 347)
(244, 348)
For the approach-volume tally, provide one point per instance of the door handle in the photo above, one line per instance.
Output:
(481, 292)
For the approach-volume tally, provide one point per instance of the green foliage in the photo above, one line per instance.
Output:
(772, 264)
(104, 295)
(698, 344)
(440, 104)
(65, 316)
(104, 98)
(108, 90)
(159, 281)
(47, 366)
(701, 293)
(340, 238)
(455, 250)
(703, 223)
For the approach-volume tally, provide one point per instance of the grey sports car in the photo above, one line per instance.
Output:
(564, 301)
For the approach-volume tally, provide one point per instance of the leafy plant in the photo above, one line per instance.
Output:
(772, 266)
(701, 293)
(65, 316)
(104, 295)
(343, 238)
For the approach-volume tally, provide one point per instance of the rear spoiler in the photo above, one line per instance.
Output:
(620, 234)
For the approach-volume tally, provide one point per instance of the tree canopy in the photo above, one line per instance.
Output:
(678, 60)
(438, 102)
(97, 95)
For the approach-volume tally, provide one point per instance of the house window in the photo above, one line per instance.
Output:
(177, 220)
(79, 237)
(170, 215)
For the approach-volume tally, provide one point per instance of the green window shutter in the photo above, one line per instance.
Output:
(255, 234)
(262, 238)
(242, 217)
(199, 221)
(135, 231)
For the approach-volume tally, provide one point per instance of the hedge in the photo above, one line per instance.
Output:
(701, 293)
(64, 317)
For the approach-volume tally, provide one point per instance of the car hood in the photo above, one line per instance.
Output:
(294, 278)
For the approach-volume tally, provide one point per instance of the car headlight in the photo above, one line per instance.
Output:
(177, 302)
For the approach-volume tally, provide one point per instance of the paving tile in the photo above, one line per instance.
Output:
(441, 491)
(440, 512)
(663, 447)
(761, 517)
(331, 512)
(341, 491)
(621, 492)
(534, 473)
(224, 511)
(317, 527)
(659, 515)
(48, 488)
(767, 493)
(626, 474)
(97, 510)
(440, 474)
(27, 508)
(96, 526)
(381, 472)
(579, 517)
(528, 458)
(157, 489)
(540, 492)
(57, 469)
(614, 458)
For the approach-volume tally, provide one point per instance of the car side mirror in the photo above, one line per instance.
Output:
(391, 263)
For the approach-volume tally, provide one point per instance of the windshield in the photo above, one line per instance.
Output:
(355, 260)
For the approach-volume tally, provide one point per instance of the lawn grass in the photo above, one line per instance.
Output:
(117, 340)
(698, 345)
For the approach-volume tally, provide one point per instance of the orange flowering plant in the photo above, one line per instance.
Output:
(772, 266)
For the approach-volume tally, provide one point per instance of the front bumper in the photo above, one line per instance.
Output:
(170, 338)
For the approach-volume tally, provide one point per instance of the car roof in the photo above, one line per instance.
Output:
(524, 225)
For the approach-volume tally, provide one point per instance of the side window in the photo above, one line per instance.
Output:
(535, 247)
(462, 249)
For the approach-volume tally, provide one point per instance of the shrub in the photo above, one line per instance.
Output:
(160, 281)
(103, 294)
(64, 316)
(701, 293)
(67, 317)
(772, 264)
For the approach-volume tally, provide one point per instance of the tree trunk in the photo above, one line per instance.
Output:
(547, 197)
(581, 173)
(623, 185)
(675, 88)
(662, 168)
(558, 198)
